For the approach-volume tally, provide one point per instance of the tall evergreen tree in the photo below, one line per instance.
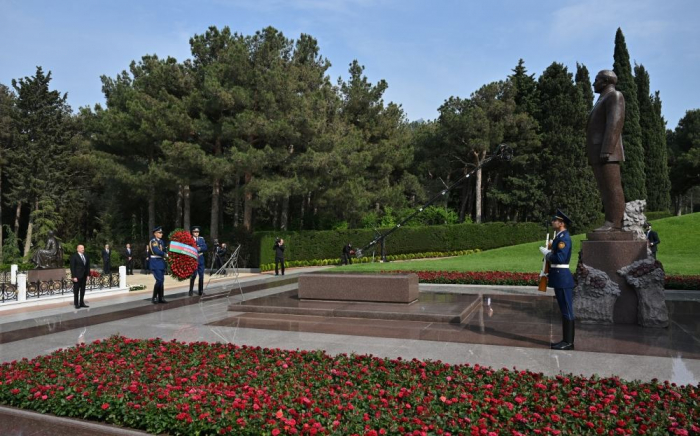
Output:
(633, 177)
(563, 118)
(583, 82)
(6, 135)
(658, 185)
(525, 85)
(39, 158)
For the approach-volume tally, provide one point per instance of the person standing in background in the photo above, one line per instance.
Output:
(79, 272)
(106, 261)
(652, 239)
(279, 255)
(129, 257)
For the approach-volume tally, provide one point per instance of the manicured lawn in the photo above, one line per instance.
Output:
(679, 252)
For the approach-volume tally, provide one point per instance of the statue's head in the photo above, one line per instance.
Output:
(50, 233)
(604, 79)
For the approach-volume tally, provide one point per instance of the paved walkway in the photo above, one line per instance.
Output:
(35, 331)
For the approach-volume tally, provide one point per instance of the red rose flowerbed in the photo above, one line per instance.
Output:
(201, 388)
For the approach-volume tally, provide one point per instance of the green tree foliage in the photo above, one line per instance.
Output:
(684, 151)
(658, 184)
(564, 114)
(633, 177)
(38, 161)
(6, 134)
(144, 108)
(583, 82)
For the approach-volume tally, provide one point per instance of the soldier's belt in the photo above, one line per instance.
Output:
(559, 266)
(153, 256)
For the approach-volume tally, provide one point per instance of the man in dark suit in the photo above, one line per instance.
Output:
(652, 239)
(279, 255)
(106, 261)
(129, 257)
(604, 148)
(79, 272)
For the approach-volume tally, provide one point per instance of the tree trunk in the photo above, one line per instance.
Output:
(30, 228)
(464, 197)
(151, 210)
(18, 215)
(178, 207)
(301, 214)
(477, 188)
(187, 206)
(275, 214)
(284, 216)
(215, 193)
(248, 206)
(237, 202)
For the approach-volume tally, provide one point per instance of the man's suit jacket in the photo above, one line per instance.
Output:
(77, 268)
(654, 240)
(604, 131)
(105, 255)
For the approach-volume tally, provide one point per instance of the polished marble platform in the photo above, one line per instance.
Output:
(530, 321)
(429, 307)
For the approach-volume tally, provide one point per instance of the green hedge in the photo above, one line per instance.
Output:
(328, 244)
(658, 215)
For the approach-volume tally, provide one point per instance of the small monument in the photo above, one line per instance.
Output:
(48, 261)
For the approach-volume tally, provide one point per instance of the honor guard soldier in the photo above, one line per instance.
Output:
(157, 255)
(560, 277)
(201, 249)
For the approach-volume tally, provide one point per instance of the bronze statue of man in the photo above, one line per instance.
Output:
(604, 148)
(51, 256)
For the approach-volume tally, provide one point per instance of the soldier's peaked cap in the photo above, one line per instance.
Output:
(562, 216)
(157, 229)
(196, 229)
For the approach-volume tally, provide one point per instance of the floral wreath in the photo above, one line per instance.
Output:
(182, 254)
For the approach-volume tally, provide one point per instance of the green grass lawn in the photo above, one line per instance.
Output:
(679, 252)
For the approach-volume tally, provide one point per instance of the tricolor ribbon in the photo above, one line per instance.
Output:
(180, 248)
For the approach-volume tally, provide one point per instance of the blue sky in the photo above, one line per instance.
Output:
(427, 51)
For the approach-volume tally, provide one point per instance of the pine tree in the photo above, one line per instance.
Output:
(570, 182)
(633, 178)
(658, 185)
(583, 82)
(526, 98)
(40, 157)
(6, 135)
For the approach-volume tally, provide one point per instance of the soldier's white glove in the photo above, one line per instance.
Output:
(545, 251)
(542, 274)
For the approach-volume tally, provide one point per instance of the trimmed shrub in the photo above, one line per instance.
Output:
(328, 244)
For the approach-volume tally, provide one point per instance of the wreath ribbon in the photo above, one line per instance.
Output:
(180, 248)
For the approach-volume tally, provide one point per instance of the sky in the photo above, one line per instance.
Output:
(427, 51)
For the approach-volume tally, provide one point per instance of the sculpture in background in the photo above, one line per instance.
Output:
(51, 256)
(605, 150)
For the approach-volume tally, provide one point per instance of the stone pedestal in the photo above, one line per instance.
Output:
(13, 274)
(46, 274)
(21, 287)
(122, 276)
(381, 288)
(610, 252)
